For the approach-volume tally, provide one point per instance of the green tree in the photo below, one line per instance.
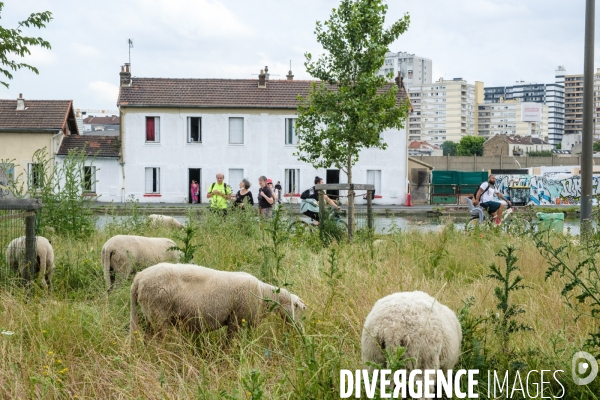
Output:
(449, 148)
(350, 106)
(558, 146)
(13, 42)
(470, 145)
(596, 146)
(542, 153)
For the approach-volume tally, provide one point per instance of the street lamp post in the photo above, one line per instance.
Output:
(588, 118)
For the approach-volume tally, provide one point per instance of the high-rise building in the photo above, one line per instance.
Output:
(414, 69)
(506, 118)
(574, 104)
(550, 94)
(444, 110)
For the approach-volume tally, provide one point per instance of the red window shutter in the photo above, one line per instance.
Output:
(150, 129)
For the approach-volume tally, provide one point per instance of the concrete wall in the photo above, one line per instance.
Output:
(495, 162)
(264, 152)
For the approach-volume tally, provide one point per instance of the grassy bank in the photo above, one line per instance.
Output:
(75, 343)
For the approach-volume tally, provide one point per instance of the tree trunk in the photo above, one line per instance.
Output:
(350, 200)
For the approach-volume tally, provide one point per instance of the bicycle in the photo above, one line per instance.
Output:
(331, 213)
(478, 216)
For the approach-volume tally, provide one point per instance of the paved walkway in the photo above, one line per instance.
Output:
(179, 208)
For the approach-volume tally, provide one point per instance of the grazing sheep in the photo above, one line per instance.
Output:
(44, 266)
(201, 299)
(123, 255)
(156, 219)
(428, 330)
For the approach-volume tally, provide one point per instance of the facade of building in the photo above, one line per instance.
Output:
(574, 108)
(102, 172)
(506, 118)
(419, 148)
(102, 125)
(27, 126)
(174, 131)
(414, 69)
(552, 95)
(514, 146)
(444, 110)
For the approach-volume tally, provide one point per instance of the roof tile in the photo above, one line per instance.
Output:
(38, 114)
(215, 93)
(99, 146)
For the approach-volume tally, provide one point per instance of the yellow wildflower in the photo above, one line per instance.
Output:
(59, 361)
(64, 370)
(44, 331)
(50, 353)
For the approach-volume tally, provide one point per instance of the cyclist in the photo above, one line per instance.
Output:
(485, 198)
(310, 202)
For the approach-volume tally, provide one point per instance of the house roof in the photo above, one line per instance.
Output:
(215, 93)
(515, 139)
(417, 144)
(38, 116)
(98, 146)
(103, 120)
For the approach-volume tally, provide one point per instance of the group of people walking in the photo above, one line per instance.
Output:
(269, 195)
(220, 193)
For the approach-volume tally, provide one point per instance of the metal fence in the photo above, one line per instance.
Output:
(18, 238)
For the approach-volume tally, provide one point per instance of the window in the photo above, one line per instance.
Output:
(194, 130)
(36, 175)
(89, 179)
(152, 129)
(235, 177)
(236, 130)
(290, 131)
(374, 178)
(152, 180)
(292, 181)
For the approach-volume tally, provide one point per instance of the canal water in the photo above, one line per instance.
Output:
(385, 225)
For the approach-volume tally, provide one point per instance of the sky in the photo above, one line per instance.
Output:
(497, 42)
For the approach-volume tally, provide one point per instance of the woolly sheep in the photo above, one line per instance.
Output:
(156, 219)
(428, 330)
(44, 266)
(123, 255)
(201, 299)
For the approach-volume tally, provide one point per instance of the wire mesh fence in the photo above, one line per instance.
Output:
(363, 197)
(18, 239)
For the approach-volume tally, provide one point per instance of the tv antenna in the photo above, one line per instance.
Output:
(130, 42)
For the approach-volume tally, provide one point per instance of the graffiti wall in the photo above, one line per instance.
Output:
(549, 188)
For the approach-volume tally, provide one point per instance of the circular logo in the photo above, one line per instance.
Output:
(584, 368)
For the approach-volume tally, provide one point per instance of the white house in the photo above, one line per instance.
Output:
(174, 131)
(102, 172)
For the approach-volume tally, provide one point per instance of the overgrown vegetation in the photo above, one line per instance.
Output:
(76, 342)
(64, 187)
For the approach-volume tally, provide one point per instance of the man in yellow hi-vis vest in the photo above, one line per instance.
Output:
(219, 194)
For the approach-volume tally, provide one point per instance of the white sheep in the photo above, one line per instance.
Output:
(170, 222)
(201, 299)
(44, 265)
(428, 330)
(123, 255)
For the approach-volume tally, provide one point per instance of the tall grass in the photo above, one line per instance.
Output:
(74, 343)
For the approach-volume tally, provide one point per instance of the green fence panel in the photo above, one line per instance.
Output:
(444, 177)
(472, 178)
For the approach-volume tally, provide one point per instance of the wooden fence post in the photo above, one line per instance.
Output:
(370, 209)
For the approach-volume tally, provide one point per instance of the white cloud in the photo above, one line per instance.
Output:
(191, 19)
(86, 51)
(104, 91)
(40, 57)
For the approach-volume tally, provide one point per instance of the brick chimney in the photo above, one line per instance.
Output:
(399, 80)
(125, 75)
(262, 79)
(290, 76)
(20, 103)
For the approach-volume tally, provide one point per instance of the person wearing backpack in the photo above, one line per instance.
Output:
(219, 194)
(485, 198)
(310, 201)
